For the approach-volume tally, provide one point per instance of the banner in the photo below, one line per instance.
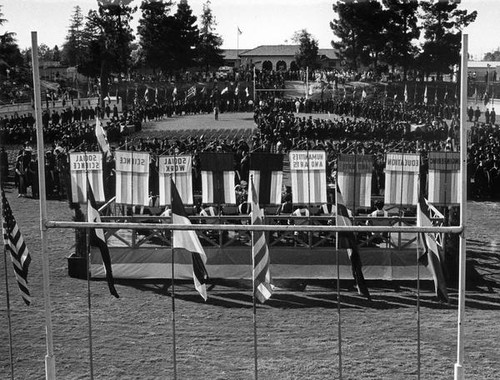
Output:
(444, 178)
(180, 169)
(85, 164)
(266, 169)
(132, 178)
(217, 178)
(354, 178)
(401, 179)
(308, 176)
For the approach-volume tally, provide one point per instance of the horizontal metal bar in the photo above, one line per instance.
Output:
(242, 227)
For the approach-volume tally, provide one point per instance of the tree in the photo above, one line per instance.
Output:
(208, 51)
(492, 56)
(10, 56)
(307, 56)
(73, 49)
(157, 36)
(188, 35)
(442, 23)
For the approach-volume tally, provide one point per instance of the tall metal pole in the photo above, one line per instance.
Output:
(459, 371)
(50, 363)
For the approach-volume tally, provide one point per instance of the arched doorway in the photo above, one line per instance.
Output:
(281, 66)
(293, 66)
(267, 65)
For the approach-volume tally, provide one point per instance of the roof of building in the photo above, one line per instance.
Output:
(232, 54)
(283, 51)
(482, 64)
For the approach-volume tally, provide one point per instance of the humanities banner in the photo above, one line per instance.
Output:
(266, 169)
(354, 178)
(85, 165)
(444, 178)
(132, 178)
(308, 176)
(401, 179)
(180, 169)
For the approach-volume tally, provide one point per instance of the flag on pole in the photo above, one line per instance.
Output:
(189, 241)
(191, 92)
(247, 92)
(239, 30)
(406, 93)
(156, 95)
(174, 93)
(347, 240)
(14, 245)
(226, 89)
(101, 138)
(97, 239)
(429, 253)
(146, 95)
(425, 95)
(363, 94)
(260, 253)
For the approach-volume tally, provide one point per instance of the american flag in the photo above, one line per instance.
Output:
(260, 253)
(191, 92)
(14, 244)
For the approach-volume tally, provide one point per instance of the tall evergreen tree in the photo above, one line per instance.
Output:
(307, 56)
(73, 49)
(188, 35)
(10, 55)
(209, 52)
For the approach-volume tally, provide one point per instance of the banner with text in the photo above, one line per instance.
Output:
(132, 178)
(401, 179)
(444, 178)
(85, 165)
(180, 169)
(354, 178)
(308, 176)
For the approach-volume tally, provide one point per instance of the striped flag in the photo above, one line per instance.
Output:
(15, 246)
(97, 239)
(187, 240)
(260, 252)
(401, 179)
(355, 179)
(429, 253)
(266, 169)
(347, 240)
(180, 169)
(132, 178)
(101, 138)
(308, 176)
(217, 178)
(83, 166)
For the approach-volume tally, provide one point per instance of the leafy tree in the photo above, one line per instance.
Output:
(188, 35)
(442, 23)
(401, 33)
(492, 56)
(73, 49)
(307, 56)
(10, 55)
(209, 52)
(157, 35)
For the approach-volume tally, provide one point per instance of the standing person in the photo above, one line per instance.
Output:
(487, 115)
(4, 165)
(470, 113)
(493, 116)
(477, 114)
(22, 165)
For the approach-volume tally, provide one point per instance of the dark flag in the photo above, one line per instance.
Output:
(347, 240)
(429, 253)
(15, 246)
(189, 241)
(97, 239)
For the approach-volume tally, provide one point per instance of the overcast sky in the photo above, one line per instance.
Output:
(262, 22)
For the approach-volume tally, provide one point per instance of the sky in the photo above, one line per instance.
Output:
(262, 22)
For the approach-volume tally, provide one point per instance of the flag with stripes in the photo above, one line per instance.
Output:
(97, 239)
(217, 178)
(14, 245)
(429, 253)
(102, 140)
(191, 92)
(354, 177)
(180, 169)
(347, 240)
(444, 184)
(132, 178)
(308, 176)
(401, 179)
(85, 165)
(261, 275)
(266, 169)
(187, 240)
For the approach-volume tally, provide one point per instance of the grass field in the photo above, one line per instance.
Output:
(298, 331)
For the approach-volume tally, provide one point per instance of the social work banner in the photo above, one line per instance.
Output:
(444, 178)
(308, 176)
(132, 178)
(85, 165)
(401, 179)
(354, 178)
(179, 168)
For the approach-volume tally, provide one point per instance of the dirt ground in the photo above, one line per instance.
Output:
(298, 331)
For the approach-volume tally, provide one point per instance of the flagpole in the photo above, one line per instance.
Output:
(459, 371)
(89, 299)
(174, 346)
(9, 322)
(254, 303)
(50, 363)
(418, 317)
(338, 308)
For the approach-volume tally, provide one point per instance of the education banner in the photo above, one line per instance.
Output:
(354, 178)
(401, 179)
(132, 178)
(180, 169)
(444, 178)
(81, 166)
(308, 176)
